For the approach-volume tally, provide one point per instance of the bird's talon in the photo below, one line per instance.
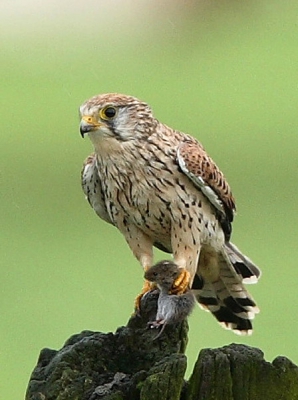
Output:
(181, 284)
(147, 287)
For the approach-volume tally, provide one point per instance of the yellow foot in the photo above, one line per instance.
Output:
(181, 284)
(146, 288)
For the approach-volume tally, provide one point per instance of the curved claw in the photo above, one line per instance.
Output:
(147, 287)
(181, 284)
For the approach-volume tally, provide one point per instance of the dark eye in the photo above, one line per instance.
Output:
(108, 112)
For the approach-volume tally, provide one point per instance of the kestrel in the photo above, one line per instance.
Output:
(159, 187)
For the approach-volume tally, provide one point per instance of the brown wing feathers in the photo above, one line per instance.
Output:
(199, 166)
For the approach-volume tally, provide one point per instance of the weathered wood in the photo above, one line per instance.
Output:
(130, 365)
(238, 372)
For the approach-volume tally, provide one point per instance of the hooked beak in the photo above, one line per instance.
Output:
(88, 124)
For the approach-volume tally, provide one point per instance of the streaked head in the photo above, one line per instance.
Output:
(116, 115)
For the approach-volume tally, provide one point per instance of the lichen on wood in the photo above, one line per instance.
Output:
(130, 365)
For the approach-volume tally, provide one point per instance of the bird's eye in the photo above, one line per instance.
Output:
(108, 112)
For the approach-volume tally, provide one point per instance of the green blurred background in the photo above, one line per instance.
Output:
(224, 71)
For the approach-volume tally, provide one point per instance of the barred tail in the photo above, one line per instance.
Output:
(226, 298)
(248, 271)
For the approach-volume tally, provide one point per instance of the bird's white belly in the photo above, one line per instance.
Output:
(145, 211)
(155, 206)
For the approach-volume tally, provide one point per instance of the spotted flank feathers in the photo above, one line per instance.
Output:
(92, 188)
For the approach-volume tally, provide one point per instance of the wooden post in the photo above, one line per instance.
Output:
(130, 365)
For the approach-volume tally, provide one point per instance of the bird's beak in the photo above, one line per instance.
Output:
(88, 124)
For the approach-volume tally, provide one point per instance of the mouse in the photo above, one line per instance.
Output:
(171, 308)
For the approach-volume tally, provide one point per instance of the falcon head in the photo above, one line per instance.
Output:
(116, 116)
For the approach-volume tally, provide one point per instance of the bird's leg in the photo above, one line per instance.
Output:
(146, 262)
(182, 283)
(147, 287)
(142, 247)
(186, 256)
